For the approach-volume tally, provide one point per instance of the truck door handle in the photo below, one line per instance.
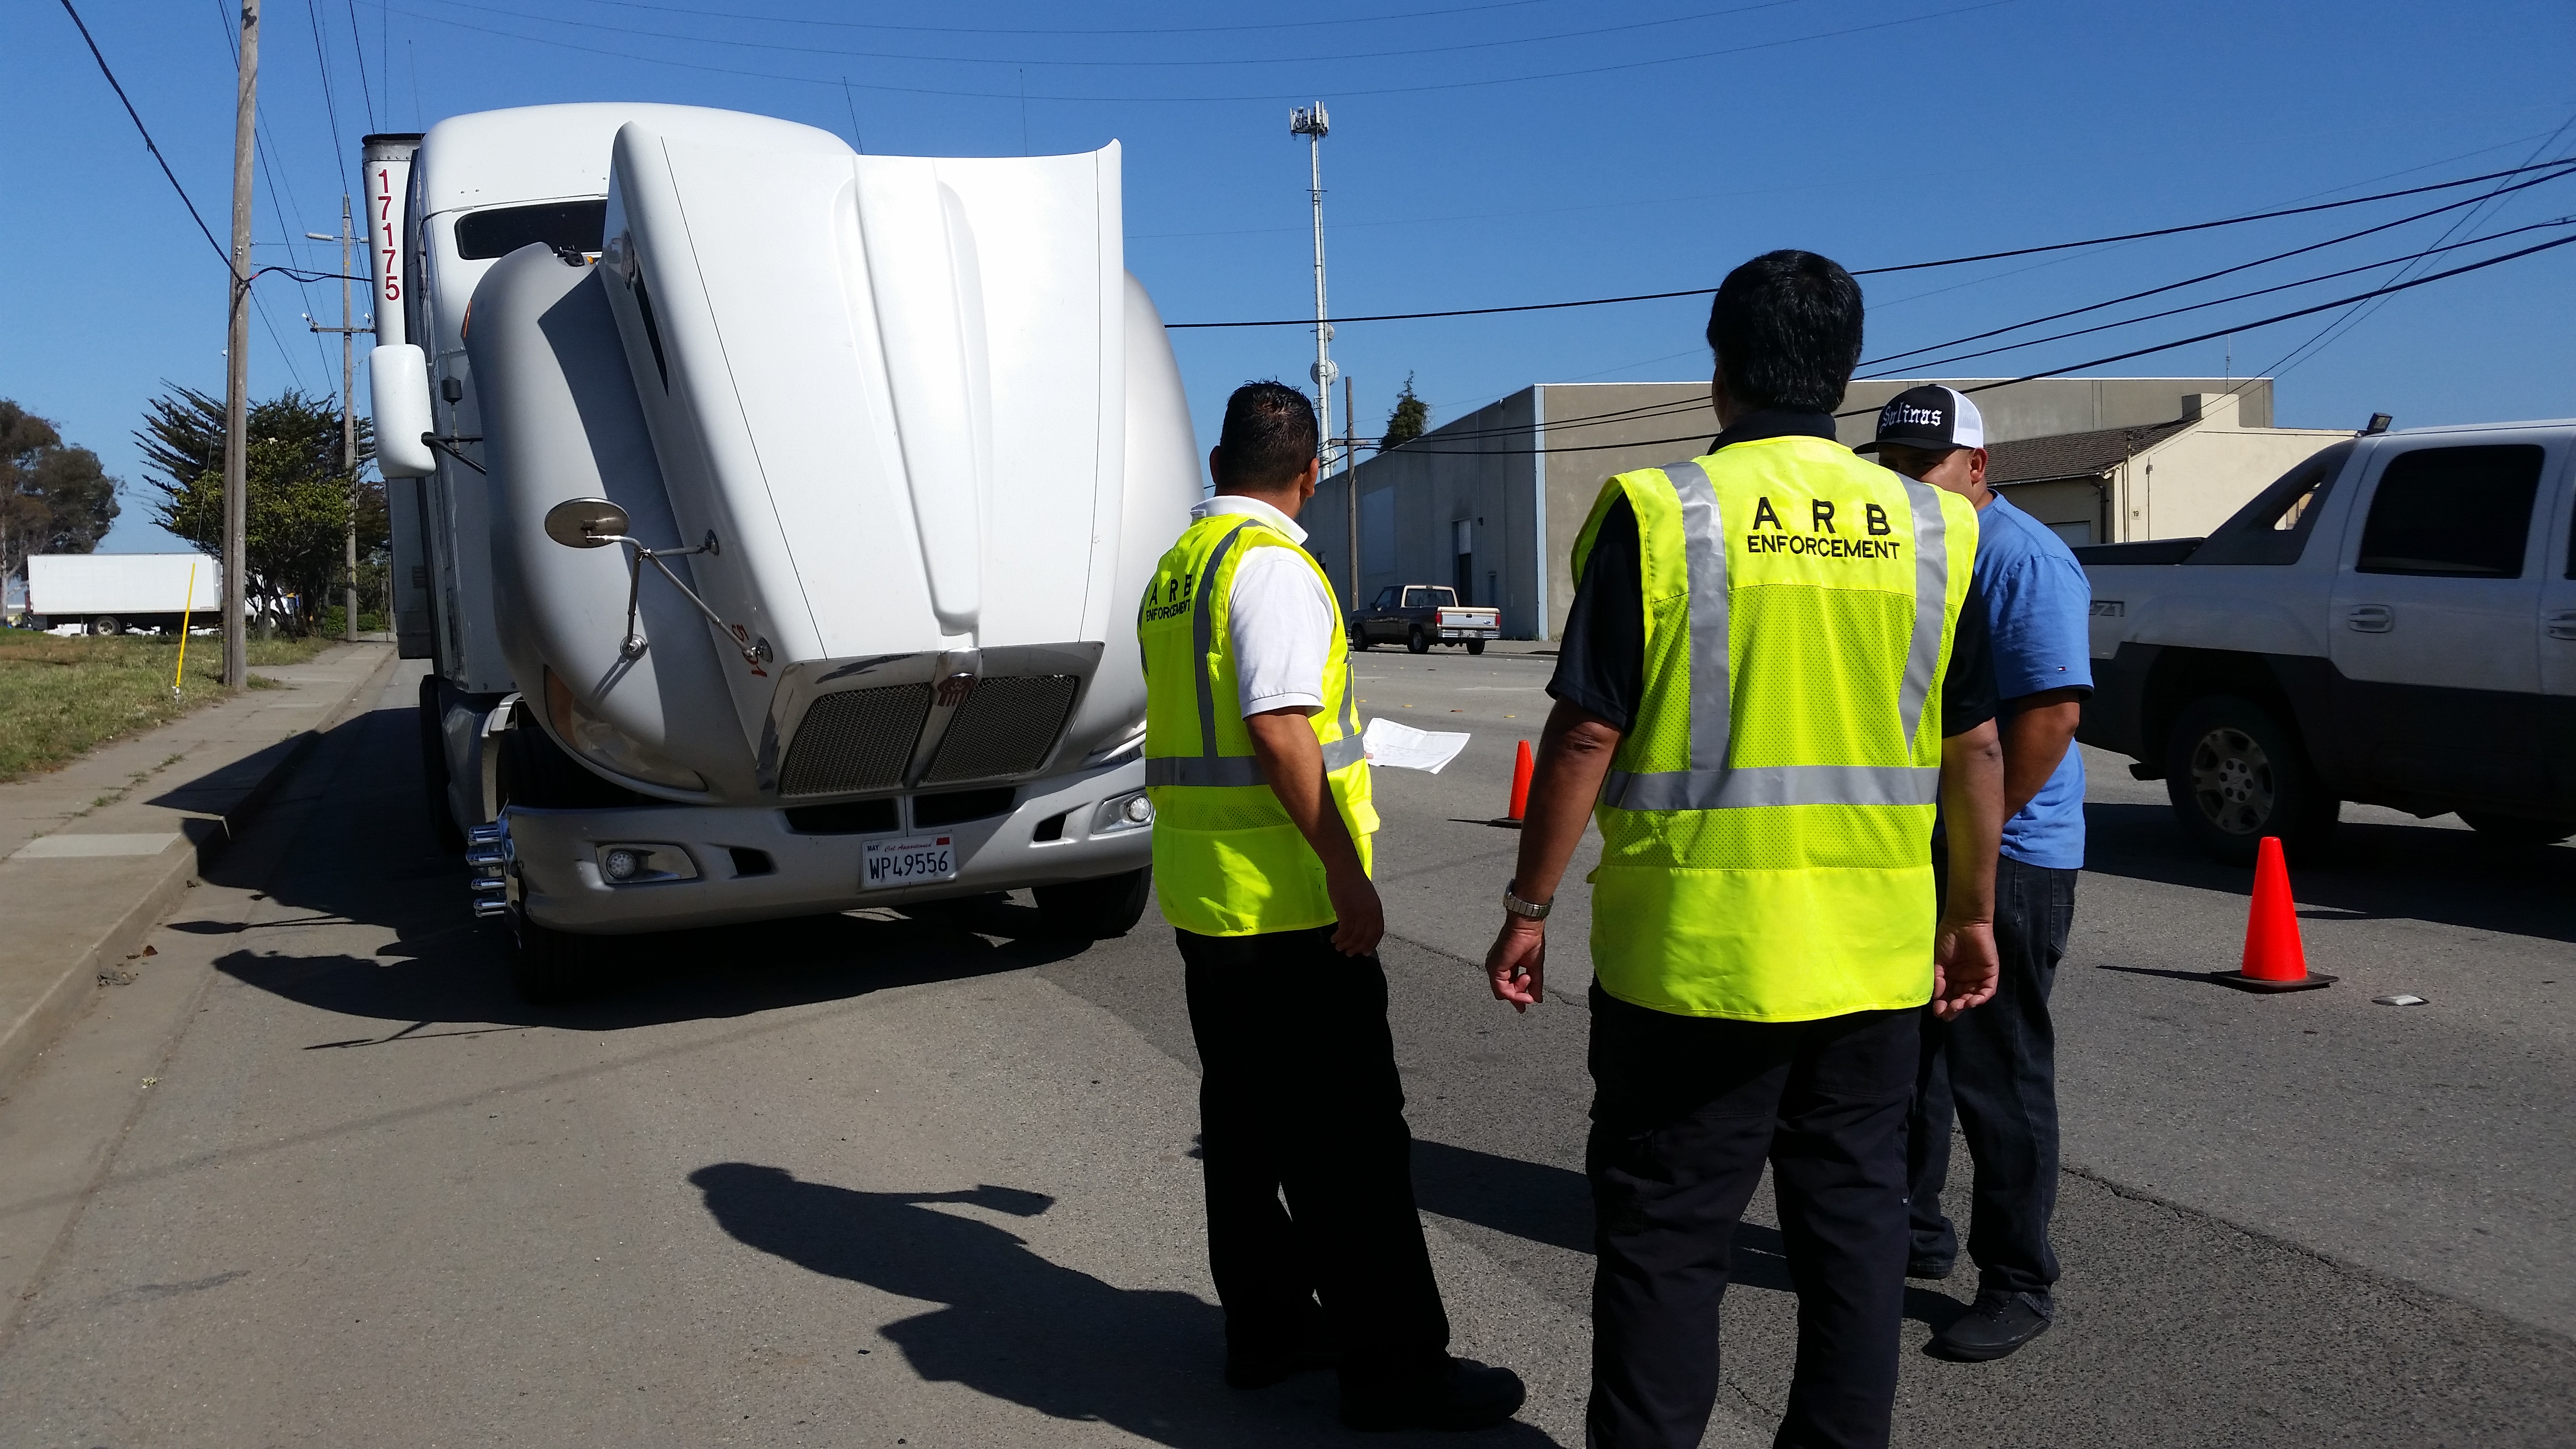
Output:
(2371, 618)
(2562, 625)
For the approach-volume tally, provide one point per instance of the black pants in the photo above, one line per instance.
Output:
(1684, 1113)
(1995, 1069)
(1298, 1096)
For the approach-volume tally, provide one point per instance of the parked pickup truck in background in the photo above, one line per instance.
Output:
(2393, 621)
(1421, 615)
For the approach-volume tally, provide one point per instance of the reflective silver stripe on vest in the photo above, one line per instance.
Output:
(1931, 599)
(1712, 718)
(1235, 770)
(1225, 771)
(1773, 785)
(1709, 784)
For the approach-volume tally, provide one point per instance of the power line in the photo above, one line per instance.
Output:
(146, 133)
(1145, 30)
(358, 48)
(2382, 291)
(1404, 90)
(2238, 297)
(1917, 266)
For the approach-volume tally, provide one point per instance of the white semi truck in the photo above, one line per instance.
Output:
(774, 517)
(109, 593)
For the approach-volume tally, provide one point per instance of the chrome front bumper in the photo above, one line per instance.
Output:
(552, 858)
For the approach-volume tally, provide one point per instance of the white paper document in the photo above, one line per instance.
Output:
(1393, 746)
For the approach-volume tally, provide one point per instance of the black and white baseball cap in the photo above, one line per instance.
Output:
(1931, 417)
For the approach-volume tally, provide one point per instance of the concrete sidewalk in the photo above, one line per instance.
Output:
(94, 854)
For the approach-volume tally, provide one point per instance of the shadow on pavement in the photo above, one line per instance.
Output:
(2369, 871)
(1553, 1205)
(365, 855)
(1018, 1327)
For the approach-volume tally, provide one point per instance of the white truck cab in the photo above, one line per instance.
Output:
(780, 517)
(2393, 621)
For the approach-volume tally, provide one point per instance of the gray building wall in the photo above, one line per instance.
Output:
(1525, 471)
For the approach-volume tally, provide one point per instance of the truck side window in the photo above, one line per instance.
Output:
(1385, 598)
(2274, 528)
(2453, 512)
(563, 225)
(1417, 598)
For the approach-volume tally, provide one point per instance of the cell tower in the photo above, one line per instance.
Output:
(1311, 123)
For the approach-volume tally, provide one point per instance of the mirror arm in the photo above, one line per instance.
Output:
(453, 447)
(633, 645)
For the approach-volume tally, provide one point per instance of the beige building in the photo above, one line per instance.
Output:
(2176, 479)
(1490, 502)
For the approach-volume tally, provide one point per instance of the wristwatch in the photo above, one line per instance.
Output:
(1527, 910)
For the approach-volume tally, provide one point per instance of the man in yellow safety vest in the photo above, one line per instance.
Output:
(1261, 863)
(1767, 690)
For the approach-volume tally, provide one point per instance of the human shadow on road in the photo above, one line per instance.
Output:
(364, 854)
(1553, 1205)
(1014, 1325)
(2368, 870)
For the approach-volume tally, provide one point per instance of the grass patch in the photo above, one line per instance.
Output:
(61, 696)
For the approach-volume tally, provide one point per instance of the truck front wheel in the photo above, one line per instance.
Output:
(2236, 774)
(1095, 910)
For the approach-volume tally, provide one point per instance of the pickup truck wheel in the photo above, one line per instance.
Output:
(2236, 774)
(1095, 910)
(1417, 642)
(1475, 646)
(2518, 829)
(550, 966)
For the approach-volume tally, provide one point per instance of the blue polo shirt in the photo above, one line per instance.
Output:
(2038, 609)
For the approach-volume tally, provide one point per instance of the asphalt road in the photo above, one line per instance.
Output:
(314, 1176)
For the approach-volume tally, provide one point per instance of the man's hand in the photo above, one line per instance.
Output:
(1964, 966)
(1359, 918)
(1516, 967)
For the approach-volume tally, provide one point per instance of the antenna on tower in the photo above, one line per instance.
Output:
(1311, 123)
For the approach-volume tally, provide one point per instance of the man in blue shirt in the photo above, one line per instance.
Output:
(1995, 1068)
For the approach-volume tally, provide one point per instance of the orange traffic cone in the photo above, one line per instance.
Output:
(2274, 959)
(1521, 768)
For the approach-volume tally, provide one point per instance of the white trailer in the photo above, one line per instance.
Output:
(782, 513)
(109, 593)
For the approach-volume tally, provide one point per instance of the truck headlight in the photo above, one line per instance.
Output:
(603, 744)
(1123, 812)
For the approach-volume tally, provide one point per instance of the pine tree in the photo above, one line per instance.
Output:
(1411, 417)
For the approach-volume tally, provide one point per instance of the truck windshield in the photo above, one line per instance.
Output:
(563, 225)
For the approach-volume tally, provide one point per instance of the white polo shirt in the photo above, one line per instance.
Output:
(1280, 614)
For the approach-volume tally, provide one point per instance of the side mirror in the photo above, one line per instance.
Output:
(586, 523)
(398, 381)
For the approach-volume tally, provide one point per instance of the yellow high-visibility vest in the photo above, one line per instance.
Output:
(1766, 824)
(1227, 859)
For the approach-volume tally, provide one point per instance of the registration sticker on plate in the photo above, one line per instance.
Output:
(918, 861)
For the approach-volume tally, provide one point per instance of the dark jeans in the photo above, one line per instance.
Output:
(1995, 1069)
(1298, 1096)
(1684, 1113)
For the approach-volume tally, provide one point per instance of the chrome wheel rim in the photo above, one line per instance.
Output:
(2231, 779)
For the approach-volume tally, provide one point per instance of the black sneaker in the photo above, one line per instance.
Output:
(1261, 1370)
(1466, 1395)
(1994, 1326)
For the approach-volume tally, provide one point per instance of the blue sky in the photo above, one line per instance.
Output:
(1482, 153)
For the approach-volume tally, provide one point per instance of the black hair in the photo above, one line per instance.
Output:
(1786, 328)
(1268, 439)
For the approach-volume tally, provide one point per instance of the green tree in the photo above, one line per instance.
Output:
(1411, 416)
(54, 498)
(300, 499)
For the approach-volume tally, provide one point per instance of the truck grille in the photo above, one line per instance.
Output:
(1006, 727)
(857, 740)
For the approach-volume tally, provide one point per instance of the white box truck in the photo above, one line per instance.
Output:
(109, 593)
(774, 517)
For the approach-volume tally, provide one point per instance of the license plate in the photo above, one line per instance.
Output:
(919, 861)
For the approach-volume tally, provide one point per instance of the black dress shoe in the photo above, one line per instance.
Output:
(1997, 1324)
(1933, 1269)
(1261, 1370)
(1465, 1395)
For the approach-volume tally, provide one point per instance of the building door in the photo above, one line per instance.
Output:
(2433, 621)
(1462, 548)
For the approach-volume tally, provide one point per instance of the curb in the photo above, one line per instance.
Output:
(204, 841)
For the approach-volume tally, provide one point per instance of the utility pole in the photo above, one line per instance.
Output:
(1351, 483)
(348, 416)
(1311, 123)
(237, 360)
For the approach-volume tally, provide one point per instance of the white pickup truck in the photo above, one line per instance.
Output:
(2393, 621)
